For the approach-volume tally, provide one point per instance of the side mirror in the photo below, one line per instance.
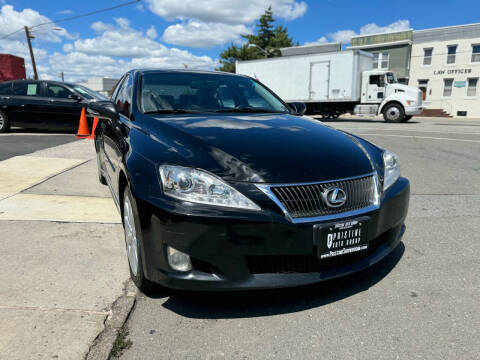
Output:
(75, 97)
(298, 108)
(103, 109)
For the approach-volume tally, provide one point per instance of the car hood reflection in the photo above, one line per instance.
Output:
(273, 148)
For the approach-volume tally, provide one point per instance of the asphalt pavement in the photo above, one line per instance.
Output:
(422, 302)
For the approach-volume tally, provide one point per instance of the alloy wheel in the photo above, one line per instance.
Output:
(393, 113)
(130, 235)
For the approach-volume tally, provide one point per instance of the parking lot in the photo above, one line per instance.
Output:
(61, 273)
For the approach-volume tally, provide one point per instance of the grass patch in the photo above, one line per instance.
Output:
(121, 343)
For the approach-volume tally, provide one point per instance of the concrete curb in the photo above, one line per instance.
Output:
(119, 314)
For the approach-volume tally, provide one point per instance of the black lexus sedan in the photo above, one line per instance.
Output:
(43, 104)
(222, 185)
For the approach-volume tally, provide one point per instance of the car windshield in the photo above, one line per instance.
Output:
(89, 94)
(204, 92)
(391, 78)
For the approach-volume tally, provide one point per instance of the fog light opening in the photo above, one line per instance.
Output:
(178, 260)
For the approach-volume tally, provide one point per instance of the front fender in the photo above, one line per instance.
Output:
(400, 98)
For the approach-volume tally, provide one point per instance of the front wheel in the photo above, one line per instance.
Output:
(133, 238)
(4, 123)
(393, 113)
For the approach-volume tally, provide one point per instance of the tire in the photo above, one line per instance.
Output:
(406, 118)
(393, 113)
(4, 123)
(133, 240)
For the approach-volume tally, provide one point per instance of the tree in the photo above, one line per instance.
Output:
(268, 37)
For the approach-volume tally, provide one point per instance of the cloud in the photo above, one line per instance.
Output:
(322, 40)
(203, 35)
(344, 36)
(11, 20)
(65, 12)
(152, 32)
(118, 48)
(228, 12)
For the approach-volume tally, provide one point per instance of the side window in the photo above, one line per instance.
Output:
(25, 88)
(123, 99)
(6, 88)
(57, 91)
(377, 80)
(117, 88)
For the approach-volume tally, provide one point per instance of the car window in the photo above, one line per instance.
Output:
(6, 88)
(25, 88)
(57, 91)
(88, 93)
(123, 99)
(209, 92)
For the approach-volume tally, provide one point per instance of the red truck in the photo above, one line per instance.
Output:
(11, 67)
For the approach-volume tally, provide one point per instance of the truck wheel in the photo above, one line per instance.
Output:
(406, 118)
(393, 113)
(4, 123)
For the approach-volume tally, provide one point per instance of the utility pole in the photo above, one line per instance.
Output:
(61, 75)
(29, 37)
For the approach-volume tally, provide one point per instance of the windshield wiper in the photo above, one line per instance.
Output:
(171, 111)
(247, 110)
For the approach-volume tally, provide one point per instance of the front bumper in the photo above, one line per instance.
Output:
(233, 253)
(413, 110)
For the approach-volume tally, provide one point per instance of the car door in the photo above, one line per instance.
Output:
(26, 104)
(113, 132)
(63, 107)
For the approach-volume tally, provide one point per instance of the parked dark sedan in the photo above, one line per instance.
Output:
(221, 185)
(43, 104)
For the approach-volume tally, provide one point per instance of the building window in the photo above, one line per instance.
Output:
(447, 87)
(452, 54)
(427, 56)
(475, 53)
(381, 60)
(472, 87)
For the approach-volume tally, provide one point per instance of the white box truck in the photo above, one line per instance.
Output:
(334, 83)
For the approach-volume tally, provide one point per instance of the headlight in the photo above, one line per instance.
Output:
(392, 169)
(201, 187)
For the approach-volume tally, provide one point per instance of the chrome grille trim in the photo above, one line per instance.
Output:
(303, 202)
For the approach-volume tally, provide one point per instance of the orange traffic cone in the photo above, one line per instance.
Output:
(94, 126)
(83, 126)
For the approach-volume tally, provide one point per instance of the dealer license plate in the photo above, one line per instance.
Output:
(341, 238)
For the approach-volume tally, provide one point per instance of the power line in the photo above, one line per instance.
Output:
(73, 17)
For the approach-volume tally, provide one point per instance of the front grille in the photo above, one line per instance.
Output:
(307, 200)
(294, 264)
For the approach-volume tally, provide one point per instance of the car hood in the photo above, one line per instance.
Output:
(271, 148)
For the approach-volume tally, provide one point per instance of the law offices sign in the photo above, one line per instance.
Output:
(452, 72)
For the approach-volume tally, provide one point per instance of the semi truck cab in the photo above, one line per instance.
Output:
(382, 94)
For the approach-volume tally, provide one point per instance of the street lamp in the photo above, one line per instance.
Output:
(261, 49)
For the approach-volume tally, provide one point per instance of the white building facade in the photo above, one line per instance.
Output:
(445, 65)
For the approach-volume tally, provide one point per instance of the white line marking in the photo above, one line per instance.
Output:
(411, 130)
(421, 137)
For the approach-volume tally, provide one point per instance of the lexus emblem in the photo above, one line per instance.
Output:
(334, 197)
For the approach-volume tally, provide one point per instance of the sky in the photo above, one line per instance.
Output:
(179, 33)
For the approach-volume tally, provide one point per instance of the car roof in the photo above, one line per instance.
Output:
(37, 81)
(181, 71)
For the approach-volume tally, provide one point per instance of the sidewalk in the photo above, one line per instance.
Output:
(63, 256)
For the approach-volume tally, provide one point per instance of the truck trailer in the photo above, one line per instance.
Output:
(334, 83)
